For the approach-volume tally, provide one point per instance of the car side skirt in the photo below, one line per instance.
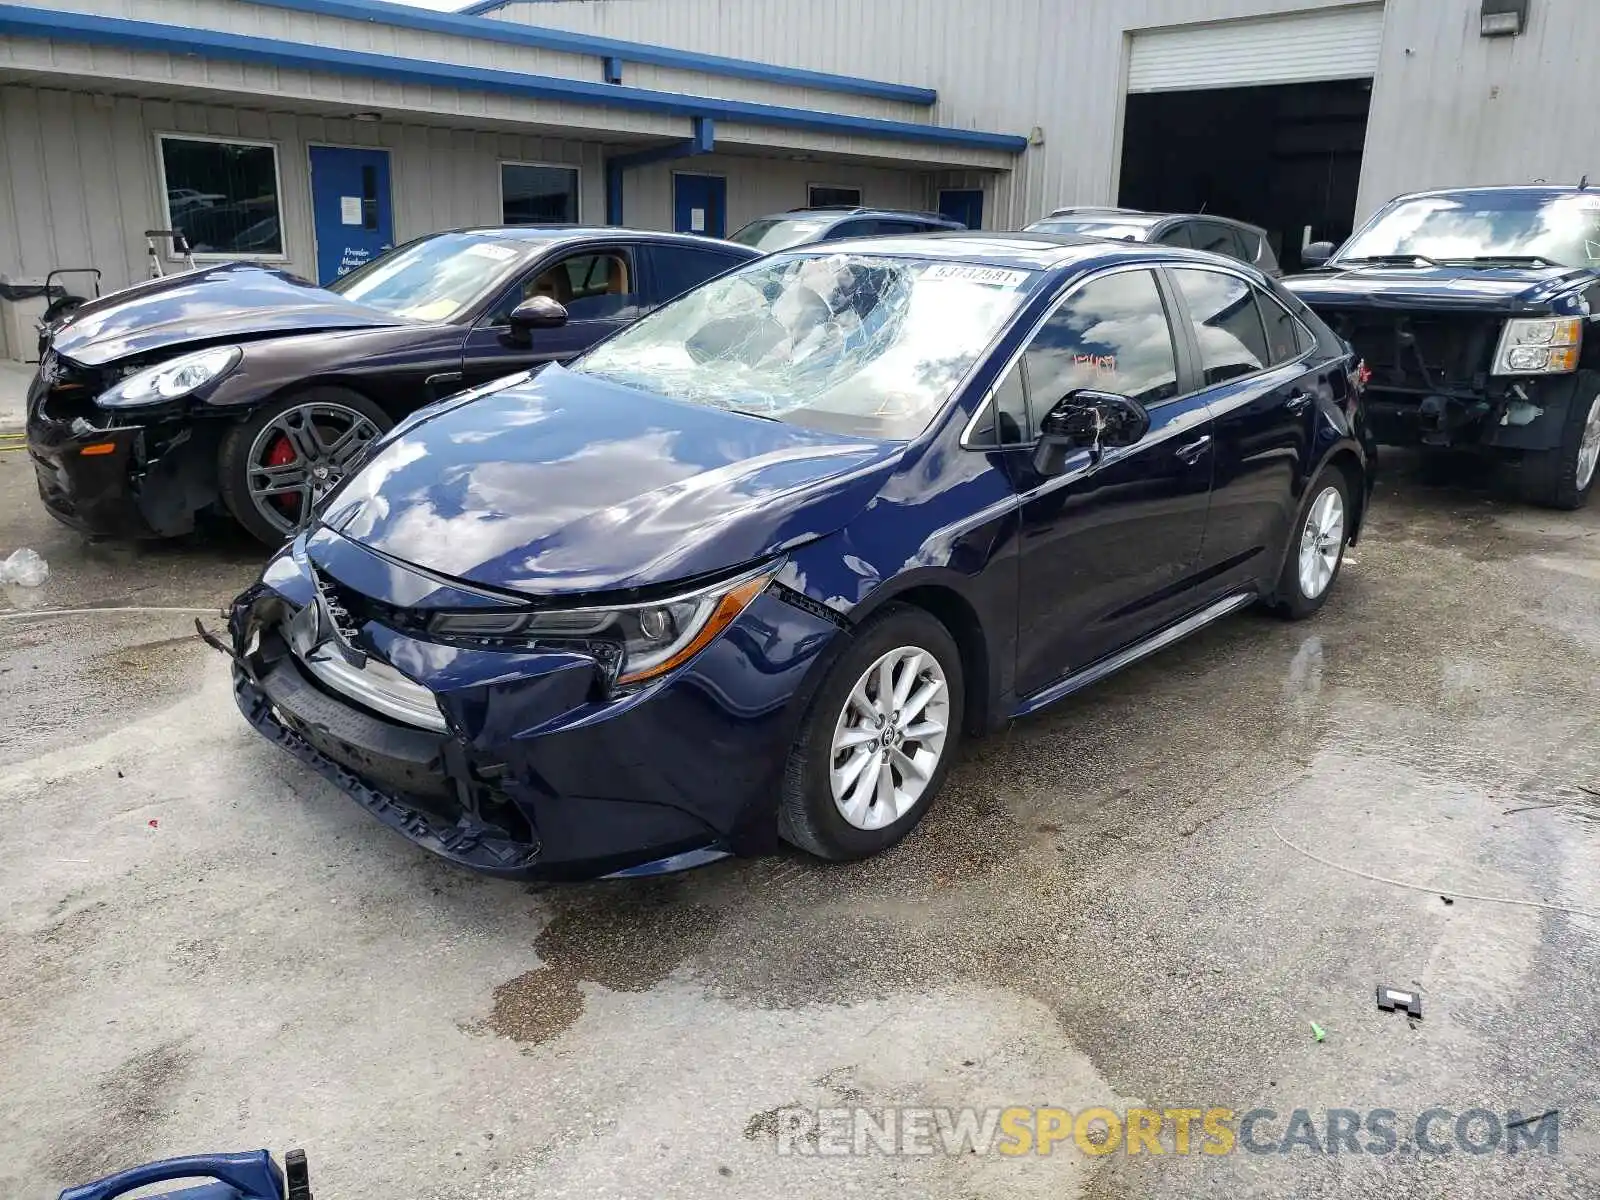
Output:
(1128, 655)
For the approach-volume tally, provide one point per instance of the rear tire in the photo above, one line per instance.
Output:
(1316, 546)
(854, 787)
(303, 444)
(1564, 478)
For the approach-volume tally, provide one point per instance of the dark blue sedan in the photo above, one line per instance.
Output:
(752, 567)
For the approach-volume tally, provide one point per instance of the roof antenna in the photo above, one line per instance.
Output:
(1583, 183)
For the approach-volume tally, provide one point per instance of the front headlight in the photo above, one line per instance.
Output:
(173, 379)
(1539, 346)
(635, 642)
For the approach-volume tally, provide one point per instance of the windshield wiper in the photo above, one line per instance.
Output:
(1514, 260)
(1393, 260)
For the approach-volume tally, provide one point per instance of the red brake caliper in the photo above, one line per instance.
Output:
(281, 455)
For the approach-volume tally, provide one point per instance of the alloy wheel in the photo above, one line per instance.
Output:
(1321, 542)
(301, 454)
(1589, 447)
(888, 741)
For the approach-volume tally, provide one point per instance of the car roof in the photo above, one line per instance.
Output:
(842, 211)
(1106, 216)
(1024, 251)
(1512, 189)
(537, 236)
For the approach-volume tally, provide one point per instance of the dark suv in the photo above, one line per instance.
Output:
(1219, 235)
(1477, 311)
(830, 223)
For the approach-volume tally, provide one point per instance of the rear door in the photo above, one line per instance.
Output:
(600, 287)
(1260, 382)
(1108, 547)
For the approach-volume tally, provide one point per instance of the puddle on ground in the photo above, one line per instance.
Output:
(625, 941)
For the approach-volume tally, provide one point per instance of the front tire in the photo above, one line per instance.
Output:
(277, 463)
(1316, 549)
(1564, 478)
(878, 739)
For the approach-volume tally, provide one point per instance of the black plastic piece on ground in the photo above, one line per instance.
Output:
(297, 1175)
(1394, 999)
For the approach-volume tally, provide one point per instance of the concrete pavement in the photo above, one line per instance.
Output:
(202, 946)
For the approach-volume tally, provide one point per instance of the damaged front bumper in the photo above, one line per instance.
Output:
(532, 769)
(105, 475)
(1511, 414)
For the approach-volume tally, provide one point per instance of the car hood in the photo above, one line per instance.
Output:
(1499, 289)
(566, 485)
(234, 300)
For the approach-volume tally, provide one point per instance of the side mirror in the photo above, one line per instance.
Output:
(1087, 420)
(537, 312)
(1316, 254)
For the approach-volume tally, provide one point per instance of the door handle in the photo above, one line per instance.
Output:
(1191, 453)
(1299, 401)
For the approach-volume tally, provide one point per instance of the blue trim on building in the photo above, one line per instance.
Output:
(233, 47)
(467, 23)
(703, 142)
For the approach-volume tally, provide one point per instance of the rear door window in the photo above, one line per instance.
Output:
(850, 229)
(1227, 324)
(1178, 235)
(1287, 338)
(1217, 238)
(676, 269)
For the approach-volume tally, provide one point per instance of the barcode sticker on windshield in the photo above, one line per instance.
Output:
(996, 276)
(490, 251)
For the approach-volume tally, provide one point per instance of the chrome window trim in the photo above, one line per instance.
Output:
(1050, 311)
(1297, 361)
(1163, 264)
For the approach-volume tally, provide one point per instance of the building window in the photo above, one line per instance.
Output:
(222, 195)
(826, 195)
(533, 194)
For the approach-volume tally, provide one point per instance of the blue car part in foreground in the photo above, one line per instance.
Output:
(248, 1176)
(754, 566)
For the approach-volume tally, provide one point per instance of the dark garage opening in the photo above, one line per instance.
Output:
(1282, 157)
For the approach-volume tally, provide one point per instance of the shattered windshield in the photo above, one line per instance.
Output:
(1562, 230)
(850, 343)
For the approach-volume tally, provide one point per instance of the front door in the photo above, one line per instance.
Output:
(350, 208)
(700, 204)
(1109, 546)
(599, 286)
(964, 205)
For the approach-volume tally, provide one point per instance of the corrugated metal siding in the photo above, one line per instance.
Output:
(1007, 64)
(1308, 46)
(1451, 107)
(80, 181)
(255, 20)
(1448, 106)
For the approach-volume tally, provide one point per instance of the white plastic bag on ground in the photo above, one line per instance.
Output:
(24, 567)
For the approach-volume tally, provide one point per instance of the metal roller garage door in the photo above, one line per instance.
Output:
(1338, 44)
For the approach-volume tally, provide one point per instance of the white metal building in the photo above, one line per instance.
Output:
(314, 132)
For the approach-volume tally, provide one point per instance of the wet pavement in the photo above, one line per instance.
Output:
(1144, 897)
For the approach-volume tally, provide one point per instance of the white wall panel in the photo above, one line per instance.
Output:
(1451, 107)
(79, 182)
(258, 20)
(1448, 107)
